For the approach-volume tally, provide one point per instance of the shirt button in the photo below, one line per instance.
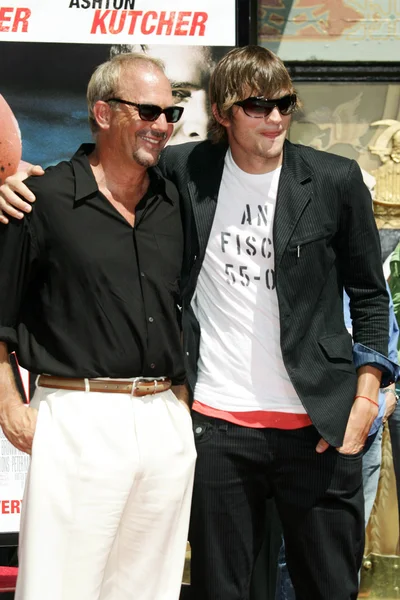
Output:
(198, 430)
(141, 274)
(151, 319)
(152, 366)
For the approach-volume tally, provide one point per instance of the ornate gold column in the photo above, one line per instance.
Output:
(387, 186)
(380, 577)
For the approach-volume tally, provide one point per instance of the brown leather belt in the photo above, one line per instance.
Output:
(140, 387)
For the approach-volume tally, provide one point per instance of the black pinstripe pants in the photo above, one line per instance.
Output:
(319, 499)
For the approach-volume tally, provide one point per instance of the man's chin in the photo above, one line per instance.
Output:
(274, 150)
(146, 159)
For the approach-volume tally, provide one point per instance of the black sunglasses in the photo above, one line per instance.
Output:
(259, 107)
(151, 112)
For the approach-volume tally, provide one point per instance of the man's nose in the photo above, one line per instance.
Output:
(274, 116)
(195, 128)
(160, 124)
(195, 117)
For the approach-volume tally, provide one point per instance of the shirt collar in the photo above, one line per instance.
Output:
(86, 185)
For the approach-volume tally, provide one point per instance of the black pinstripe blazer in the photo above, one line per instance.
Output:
(324, 237)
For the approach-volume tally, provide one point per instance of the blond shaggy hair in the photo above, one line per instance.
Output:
(244, 72)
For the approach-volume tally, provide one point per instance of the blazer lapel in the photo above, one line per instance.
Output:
(294, 193)
(203, 191)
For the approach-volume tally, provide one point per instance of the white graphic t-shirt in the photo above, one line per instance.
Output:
(241, 366)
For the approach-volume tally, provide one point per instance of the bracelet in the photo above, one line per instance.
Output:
(369, 400)
(390, 391)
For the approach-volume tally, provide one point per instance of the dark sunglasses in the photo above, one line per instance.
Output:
(260, 107)
(151, 112)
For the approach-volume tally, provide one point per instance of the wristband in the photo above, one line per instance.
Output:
(369, 400)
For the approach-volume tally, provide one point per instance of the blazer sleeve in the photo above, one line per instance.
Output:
(359, 255)
(164, 162)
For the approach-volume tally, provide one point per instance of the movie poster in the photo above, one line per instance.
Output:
(13, 463)
(49, 50)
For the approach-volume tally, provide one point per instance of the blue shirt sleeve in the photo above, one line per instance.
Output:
(393, 332)
(362, 355)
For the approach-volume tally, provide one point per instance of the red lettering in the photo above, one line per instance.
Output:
(98, 21)
(164, 22)
(5, 507)
(15, 506)
(21, 18)
(134, 14)
(4, 18)
(122, 19)
(144, 28)
(182, 23)
(199, 21)
(150, 22)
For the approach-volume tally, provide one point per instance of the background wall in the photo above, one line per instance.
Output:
(350, 30)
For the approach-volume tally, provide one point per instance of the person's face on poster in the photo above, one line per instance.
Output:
(188, 69)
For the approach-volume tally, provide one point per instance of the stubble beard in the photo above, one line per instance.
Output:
(275, 151)
(145, 160)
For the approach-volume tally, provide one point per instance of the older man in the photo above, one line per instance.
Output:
(92, 305)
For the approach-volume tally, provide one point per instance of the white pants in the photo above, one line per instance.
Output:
(107, 500)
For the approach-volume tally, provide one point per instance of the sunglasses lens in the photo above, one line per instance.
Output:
(287, 104)
(256, 108)
(173, 113)
(149, 112)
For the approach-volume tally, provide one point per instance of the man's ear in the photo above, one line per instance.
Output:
(221, 120)
(102, 114)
